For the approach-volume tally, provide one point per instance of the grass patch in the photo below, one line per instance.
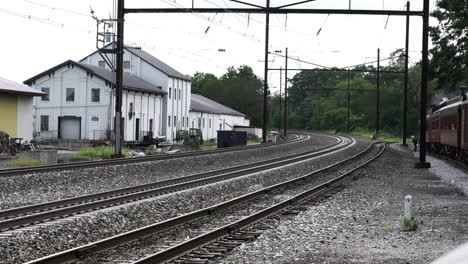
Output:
(98, 152)
(253, 141)
(208, 144)
(409, 224)
(24, 162)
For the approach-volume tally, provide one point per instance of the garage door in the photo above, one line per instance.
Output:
(70, 128)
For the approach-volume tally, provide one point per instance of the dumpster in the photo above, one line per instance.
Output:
(229, 138)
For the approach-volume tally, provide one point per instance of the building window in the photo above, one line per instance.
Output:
(70, 95)
(170, 91)
(169, 121)
(44, 123)
(180, 94)
(187, 122)
(199, 122)
(126, 64)
(102, 64)
(175, 121)
(46, 96)
(193, 123)
(95, 95)
(203, 122)
(209, 123)
(182, 121)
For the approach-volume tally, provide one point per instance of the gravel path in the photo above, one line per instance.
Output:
(41, 241)
(360, 224)
(41, 187)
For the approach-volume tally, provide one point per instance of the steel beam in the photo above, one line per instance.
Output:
(273, 10)
(405, 92)
(119, 80)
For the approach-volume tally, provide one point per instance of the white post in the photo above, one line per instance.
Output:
(408, 202)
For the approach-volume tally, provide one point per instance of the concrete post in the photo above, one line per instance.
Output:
(408, 202)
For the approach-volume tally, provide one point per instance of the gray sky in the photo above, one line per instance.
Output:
(39, 34)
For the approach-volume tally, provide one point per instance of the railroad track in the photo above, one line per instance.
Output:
(208, 233)
(119, 161)
(34, 214)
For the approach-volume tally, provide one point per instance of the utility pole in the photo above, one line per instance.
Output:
(265, 84)
(119, 79)
(424, 83)
(286, 94)
(281, 83)
(377, 112)
(405, 92)
(348, 99)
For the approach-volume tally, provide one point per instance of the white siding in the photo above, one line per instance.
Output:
(218, 122)
(25, 117)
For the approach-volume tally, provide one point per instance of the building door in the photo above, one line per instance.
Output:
(150, 128)
(69, 127)
(94, 129)
(137, 129)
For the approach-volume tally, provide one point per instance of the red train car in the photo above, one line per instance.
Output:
(447, 127)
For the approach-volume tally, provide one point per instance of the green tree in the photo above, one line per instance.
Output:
(450, 39)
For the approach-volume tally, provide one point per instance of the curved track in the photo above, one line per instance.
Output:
(28, 215)
(90, 164)
(210, 241)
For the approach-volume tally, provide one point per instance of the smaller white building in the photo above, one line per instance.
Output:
(79, 103)
(210, 116)
(16, 109)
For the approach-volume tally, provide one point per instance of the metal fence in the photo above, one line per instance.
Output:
(45, 136)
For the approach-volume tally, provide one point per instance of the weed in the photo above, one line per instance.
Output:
(24, 162)
(98, 152)
(410, 224)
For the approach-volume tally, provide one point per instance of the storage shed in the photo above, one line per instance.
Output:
(16, 109)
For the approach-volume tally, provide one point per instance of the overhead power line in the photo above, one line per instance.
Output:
(31, 17)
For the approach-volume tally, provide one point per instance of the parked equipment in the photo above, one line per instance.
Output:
(7, 144)
(229, 138)
(191, 137)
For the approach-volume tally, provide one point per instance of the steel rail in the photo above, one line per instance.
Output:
(63, 208)
(119, 161)
(146, 231)
(202, 240)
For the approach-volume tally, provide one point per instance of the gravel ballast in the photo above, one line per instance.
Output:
(42, 187)
(361, 223)
(41, 241)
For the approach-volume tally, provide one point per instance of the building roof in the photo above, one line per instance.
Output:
(130, 82)
(200, 103)
(155, 62)
(11, 87)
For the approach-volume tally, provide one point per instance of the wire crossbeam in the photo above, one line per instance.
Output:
(337, 70)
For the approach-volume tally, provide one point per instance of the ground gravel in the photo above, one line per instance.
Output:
(361, 223)
(42, 187)
(45, 240)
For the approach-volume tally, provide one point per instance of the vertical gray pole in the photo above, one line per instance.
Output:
(348, 99)
(119, 79)
(265, 84)
(377, 113)
(286, 94)
(281, 83)
(424, 84)
(405, 92)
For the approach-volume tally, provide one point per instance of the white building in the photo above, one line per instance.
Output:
(210, 116)
(80, 104)
(177, 86)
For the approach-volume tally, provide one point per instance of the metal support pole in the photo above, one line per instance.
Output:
(377, 112)
(265, 81)
(405, 92)
(119, 79)
(348, 99)
(281, 83)
(424, 83)
(286, 94)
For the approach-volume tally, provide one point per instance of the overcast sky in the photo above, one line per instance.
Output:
(39, 34)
